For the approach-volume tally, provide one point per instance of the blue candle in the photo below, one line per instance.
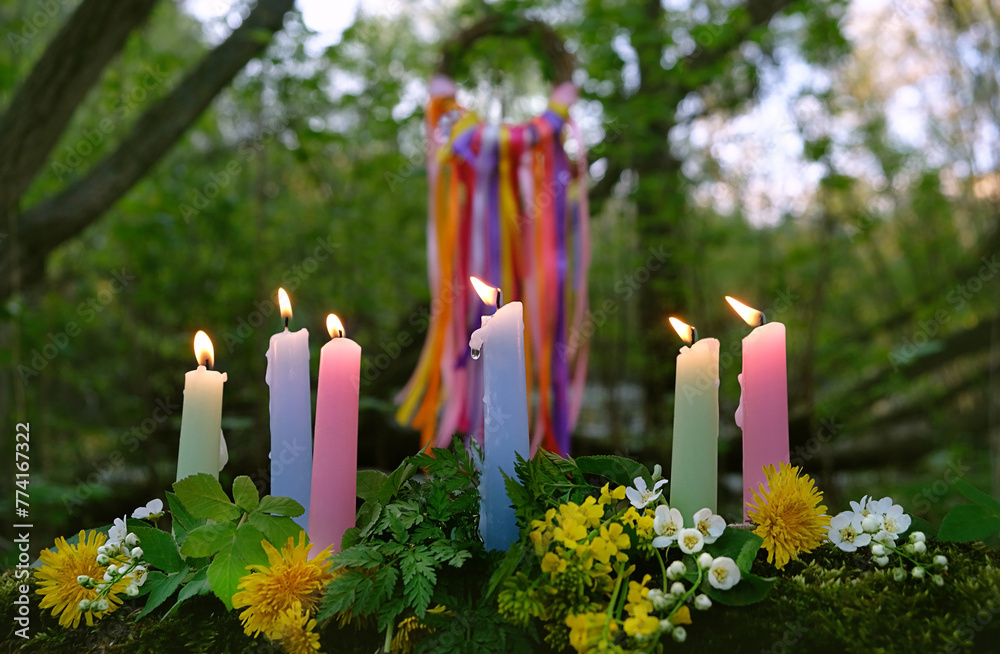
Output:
(500, 343)
(291, 412)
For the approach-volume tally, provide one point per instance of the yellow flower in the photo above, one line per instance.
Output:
(553, 563)
(294, 628)
(683, 616)
(788, 514)
(57, 579)
(289, 578)
(585, 629)
(641, 624)
(592, 512)
(609, 496)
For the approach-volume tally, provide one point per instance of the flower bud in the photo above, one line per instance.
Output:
(108, 577)
(83, 580)
(938, 580)
(917, 537)
(918, 572)
(679, 634)
(102, 559)
(919, 547)
(878, 549)
(870, 524)
(112, 569)
(84, 605)
(132, 590)
(676, 570)
(705, 561)
(909, 548)
(677, 589)
(103, 549)
(131, 540)
(666, 626)
(100, 605)
(882, 561)
(136, 553)
(899, 574)
(702, 602)
(941, 561)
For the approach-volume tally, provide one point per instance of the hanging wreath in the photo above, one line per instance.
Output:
(506, 205)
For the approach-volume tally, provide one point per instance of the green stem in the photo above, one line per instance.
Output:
(660, 556)
(614, 600)
(388, 637)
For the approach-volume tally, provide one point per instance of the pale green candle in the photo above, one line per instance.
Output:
(695, 461)
(201, 420)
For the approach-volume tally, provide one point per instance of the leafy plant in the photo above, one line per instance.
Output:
(412, 538)
(213, 539)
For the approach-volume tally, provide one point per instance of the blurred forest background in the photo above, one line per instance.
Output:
(833, 163)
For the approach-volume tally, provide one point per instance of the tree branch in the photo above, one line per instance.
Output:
(44, 104)
(54, 220)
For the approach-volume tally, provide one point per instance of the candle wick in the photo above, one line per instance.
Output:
(208, 363)
(694, 335)
(499, 299)
(763, 319)
(286, 322)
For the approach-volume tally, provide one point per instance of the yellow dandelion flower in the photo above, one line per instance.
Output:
(289, 578)
(788, 514)
(295, 629)
(57, 579)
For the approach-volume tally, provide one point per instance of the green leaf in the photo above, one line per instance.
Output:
(367, 517)
(276, 529)
(208, 539)
(370, 482)
(203, 497)
(351, 537)
(230, 563)
(399, 476)
(248, 545)
(615, 469)
(281, 506)
(968, 522)
(245, 493)
(162, 587)
(977, 496)
(181, 521)
(359, 556)
(740, 545)
(158, 547)
(197, 585)
(750, 590)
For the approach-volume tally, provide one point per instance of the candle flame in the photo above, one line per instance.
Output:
(285, 304)
(684, 330)
(752, 316)
(203, 350)
(334, 326)
(486, 292)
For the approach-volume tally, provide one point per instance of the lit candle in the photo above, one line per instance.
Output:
(763, 408)
(500, 341)
(201, 418)
(335, 465)
(695, 460)
(291, 412)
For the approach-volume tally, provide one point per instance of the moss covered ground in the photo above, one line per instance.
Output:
(828, 601)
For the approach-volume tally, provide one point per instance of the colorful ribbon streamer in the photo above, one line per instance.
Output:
(506, 205)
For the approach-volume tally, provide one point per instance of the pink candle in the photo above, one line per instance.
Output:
(335, 453)
(763, 410)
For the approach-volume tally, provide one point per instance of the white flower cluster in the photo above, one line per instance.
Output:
(123, 557)
(668, 524)
(878, 524)
(722, 573)
(870, 521)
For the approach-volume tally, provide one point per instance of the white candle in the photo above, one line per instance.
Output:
(335, 465)
(291, 412)
(500, 342)
(201, 417)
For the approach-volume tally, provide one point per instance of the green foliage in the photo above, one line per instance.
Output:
(410, 550)
(232, 540)
(969, 522)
